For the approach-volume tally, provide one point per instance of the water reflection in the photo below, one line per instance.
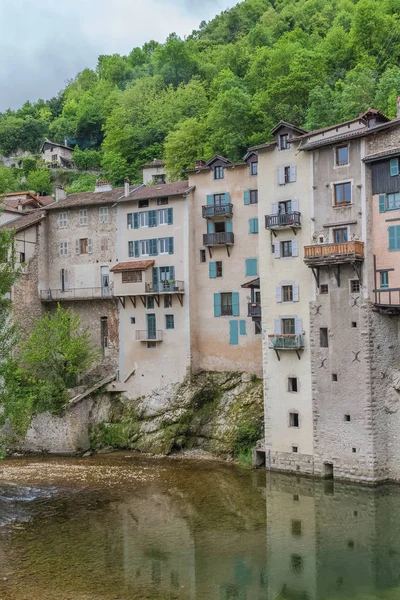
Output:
(205, 532)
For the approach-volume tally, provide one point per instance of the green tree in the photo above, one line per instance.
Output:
(8, 275)
(39, 181)
(29, 164)
(115, 166)
(86, 159)
(183, 146)
(82, 183)
(9, 182)
(387, 91)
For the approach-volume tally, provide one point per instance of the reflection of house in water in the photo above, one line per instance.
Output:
(326, 541)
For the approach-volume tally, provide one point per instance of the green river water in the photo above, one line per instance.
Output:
(124, 527)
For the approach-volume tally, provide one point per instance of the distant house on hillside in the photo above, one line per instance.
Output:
(154, 172)
(59, 155)
(13, 205)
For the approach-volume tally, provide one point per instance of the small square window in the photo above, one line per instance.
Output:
(350, 544)
(295, 449)
(384, 279)
(292, 384)
(169, 322)
(133, 320)
(342, 155)
(218, 172)
(286, 249)
(167, 301)
(253, 196)
(143, 203)
(296, 562)
(150, 302)
(162, 201)
(202, 256)
(354, 450)
(354, 286)
(347, 418)
(323, 337)
(22, 257)
(354, 324)
(334, 377)
(287, 293)
(342, 193)
(295, 498)
(284, 142)
(293, 419)
(324, 289)
(355, 513)
(218, 267)
(296, 527)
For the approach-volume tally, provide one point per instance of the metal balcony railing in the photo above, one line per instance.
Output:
(165, 287)
(149, 335)
(218, 239)
(73, 294)
(254, 309)
(286, 341)
(217, 210)
(387, 297)
(292, 219)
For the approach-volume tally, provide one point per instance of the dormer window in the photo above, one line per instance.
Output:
(254, 168)
(218, 172)
(371, 122)
(157, 179)
(284, 142)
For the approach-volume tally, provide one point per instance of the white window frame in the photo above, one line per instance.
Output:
(143, 219)
(161, 243)
(63, 220)
(63, 248)
(163, 216)
(144, 244)
(83, 217)
(103, 214)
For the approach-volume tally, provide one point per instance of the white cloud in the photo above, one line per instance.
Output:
(43, 44)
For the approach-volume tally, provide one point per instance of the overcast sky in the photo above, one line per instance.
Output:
(44, 43)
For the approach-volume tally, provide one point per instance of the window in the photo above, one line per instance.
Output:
(292, 384)
(22, 257)
(202, 255)
(164, 245)
(103, 244)
(54, 157)
(83, 216)
(295, 449)
(342, 155)
(354, 324)
(394, 237)
(143, 203)
(218, 268)
(63, 248)
(254, 168)
(287, 174)
(219, 199)
(218, 172)
(131, 251)
(323, 337)
(144, 219)
(226, 304)
(340, 235)
(163, 216)
(288, 326)
(296, 498)
(169, 322)
(324, 289)
(152, 344)
(253, 196)
(159, 178)
(131, 276)
(334, 377)
(287, 293)
(63, 220)
(384, 279)
(286, 249)
(342, 193)
(394, 167)
(284, 208)
(284, 143)
(133, 320)
(371, 122)
(257, 327)
(393, 201)
(296, 527)
(354, 286)
(296, 562)
(150, 302)
(347, 418)
(144, 247)
(293, 419)
(167, 301)
(104, 333)
(103, 214)
(354, 450)
(83, 246)
(162, 201)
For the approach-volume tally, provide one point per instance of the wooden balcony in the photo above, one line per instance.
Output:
(254, 310)
(217, 210)
(335, 254)
(290, 220)
(387, 300)
(218, 239)
(146, 335)
(76, 294)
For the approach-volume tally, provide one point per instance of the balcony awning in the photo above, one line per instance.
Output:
(254, 283)
(135, 265)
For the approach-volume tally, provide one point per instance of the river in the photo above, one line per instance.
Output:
(125, 527)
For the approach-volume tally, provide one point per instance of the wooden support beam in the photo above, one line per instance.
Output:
(143, 299)
(122, 300)
(277, 354)
(157, 299)
(133, 300)
(180, 298)
(315, 272)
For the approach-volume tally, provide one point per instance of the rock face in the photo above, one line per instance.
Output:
(219, 412)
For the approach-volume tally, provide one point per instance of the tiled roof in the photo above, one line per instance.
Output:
(90, 199)
(261, 146)
(178, 188)
(289, 126)
(229, 165)
(46, 200)
(46, 141)
(383, 154)
(154, 163)
(254, 283)
(136, 265)
(25, 221)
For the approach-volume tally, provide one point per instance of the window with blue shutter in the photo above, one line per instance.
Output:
(170, 216)
(233, 333)
(210, 199)
(171, 245)
(382, 203)
(246, 196)
(210, 227)
(253, 225)
(136, 220)
(394, 237)
(212, 270)
(152, 218)
(235, 304)
(153, 247)
(251, 267)
(137, 253)
(242, 327)
(217, 305)
(394, 167)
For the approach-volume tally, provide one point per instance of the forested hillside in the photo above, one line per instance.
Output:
(311, 62)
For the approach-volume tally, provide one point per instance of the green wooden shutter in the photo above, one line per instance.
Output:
(217, 305)
(172, 273)
(212, 270)
(171, 245)
(130, 250)
(251, 267)
(170, 216)
(256, 225)
(137, 253)
(210, 199)
(233, 333)
(228, 226)
(394, 167)
(242, 325)
(155, 276)
(235, 304)
(152, 218)
(136, 220)
(153, 247)
(129, 220)
(227, 198)
(210, 227)
(246, 196)
(382, 203)
(394, 237)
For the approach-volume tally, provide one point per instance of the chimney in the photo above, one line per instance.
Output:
(102, 185)
(61, 194)
(199, 163)
(398, 106)
(127, 187)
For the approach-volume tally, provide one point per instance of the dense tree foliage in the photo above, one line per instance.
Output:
(312, 62)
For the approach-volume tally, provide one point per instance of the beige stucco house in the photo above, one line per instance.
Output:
(57, 154)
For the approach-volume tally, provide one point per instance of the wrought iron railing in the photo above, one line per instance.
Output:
(164, 287)
(218, 239)
(217, 210)
(149, 335)
(254, 309)
(69, 294)
(288, 341)
(291, 219)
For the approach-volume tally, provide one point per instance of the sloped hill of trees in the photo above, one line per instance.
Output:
(312, 62)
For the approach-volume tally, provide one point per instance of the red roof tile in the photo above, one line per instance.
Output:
(25, 221)
(136, 265)
(147, 192)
